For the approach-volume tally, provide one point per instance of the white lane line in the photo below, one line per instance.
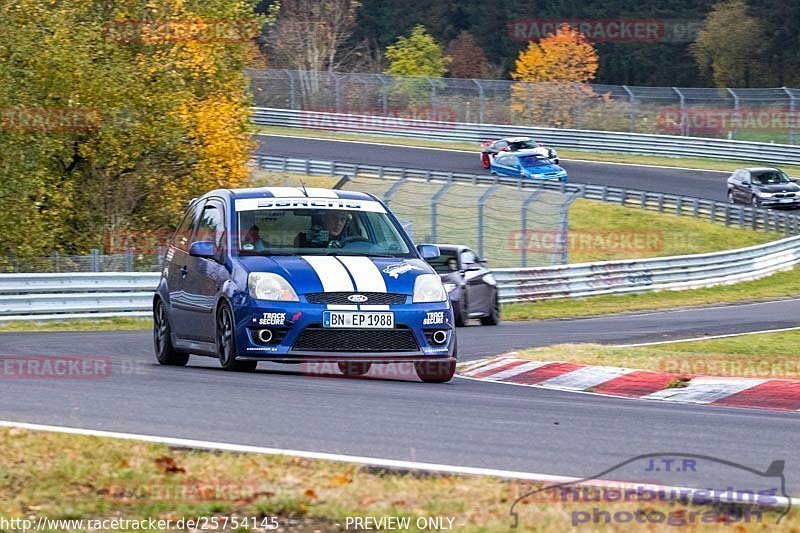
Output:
(331, 273)
(707, 337)
(367, 276)
(521, 369)
(779, 501)
(704, 390)
(584, 378)
(477, 152)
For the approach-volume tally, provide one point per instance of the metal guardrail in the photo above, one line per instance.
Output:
(76, 295)
(721, 212)
(644, 275)
(596, 141)
(44, 297)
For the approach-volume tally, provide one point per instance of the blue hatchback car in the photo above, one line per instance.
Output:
(294, 275)
(527, 165)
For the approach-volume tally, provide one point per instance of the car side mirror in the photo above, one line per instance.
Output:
(204, 249)
(429, 251)
(746, 184)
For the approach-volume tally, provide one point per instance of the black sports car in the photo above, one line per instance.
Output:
(469, 283)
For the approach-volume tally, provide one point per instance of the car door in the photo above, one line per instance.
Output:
(477, 292)
(176, 266)
(506, 164)
(745, 187)
(206, 276)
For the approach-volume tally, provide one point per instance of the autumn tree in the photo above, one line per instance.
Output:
(468, 59)
(550, 74)
(417, 60)
(730, 44)
(161, 94)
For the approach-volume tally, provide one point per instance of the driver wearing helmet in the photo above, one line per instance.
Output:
(326, 231)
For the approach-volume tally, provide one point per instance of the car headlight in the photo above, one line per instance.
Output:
(764, 194)
(450, 287)
(269, 286)
(428, 288)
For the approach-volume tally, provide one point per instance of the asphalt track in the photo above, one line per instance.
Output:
(463, 423)
(686, 182)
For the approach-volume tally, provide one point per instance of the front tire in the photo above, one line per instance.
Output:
(166, 354)
(226, 343)
(493, 318)
(354, 368)
(754, 201)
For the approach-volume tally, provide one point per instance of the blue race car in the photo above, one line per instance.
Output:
(296, 275)
(527, 165)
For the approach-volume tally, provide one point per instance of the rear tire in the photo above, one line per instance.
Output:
(354, 368)
(460, 315)
(485, 160)
(494, 317)
(166, 354)
(226, 343)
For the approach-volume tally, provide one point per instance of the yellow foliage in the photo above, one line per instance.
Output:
(552, 71)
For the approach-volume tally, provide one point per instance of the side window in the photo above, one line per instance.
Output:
(183, 236)
(745, 176)
(506, 160)
(211, 226)
(501, 144)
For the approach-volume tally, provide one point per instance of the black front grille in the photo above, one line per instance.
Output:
(318, 339)
(340, 298)
(784, 195)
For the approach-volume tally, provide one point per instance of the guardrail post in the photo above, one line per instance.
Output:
(712, 215)
(481, 202)
(741, 217)
(604, 193)
(695, 207)
(643, 201)
(435, 207)
(679, 206)
(624, 197)
(524, 225)
(661, 202)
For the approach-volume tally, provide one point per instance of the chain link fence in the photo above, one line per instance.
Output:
(758, 114)
(129, 261)
(486, 217)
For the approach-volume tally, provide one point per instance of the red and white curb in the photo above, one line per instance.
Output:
(752, 393)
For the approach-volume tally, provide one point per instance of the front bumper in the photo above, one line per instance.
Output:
(776, 202)
(409, 341)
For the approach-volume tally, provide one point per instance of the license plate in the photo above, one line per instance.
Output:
(787, 200)
(354, 319)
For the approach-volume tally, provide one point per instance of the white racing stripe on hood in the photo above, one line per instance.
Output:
(331, 273)
(366, 275)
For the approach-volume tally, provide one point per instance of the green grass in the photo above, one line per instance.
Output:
(564, 153)
(780, 285)
(100, 324)
(763, 355)
(61, 476)
(657, 234)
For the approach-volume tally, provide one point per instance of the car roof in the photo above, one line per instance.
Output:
(760, 169)
(452, 247)
(290, 192)
(516, 139)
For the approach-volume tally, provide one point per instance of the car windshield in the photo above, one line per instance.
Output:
(522, 145)
(319, 232)
(770, 178)
(533, 161)
(446, 263)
